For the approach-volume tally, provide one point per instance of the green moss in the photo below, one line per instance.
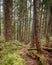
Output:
(43, 41)
(2, 40)
(11, 55)
(12, 59)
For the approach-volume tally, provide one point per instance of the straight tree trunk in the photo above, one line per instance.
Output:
(19, 20)
(49, 27)
(8, 20)
(48, 31)
(36, 26)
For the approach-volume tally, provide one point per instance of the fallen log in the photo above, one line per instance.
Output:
(47, 49)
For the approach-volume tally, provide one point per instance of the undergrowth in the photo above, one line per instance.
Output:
(10, 54)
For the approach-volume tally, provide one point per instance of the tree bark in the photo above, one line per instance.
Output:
(49, 27)
(8, 20)
(36, 26)
(48, 31)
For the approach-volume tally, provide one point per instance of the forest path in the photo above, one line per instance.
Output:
(30, 61)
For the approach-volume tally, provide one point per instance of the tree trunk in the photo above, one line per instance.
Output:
(36, 26)
(49, 27)
(48, 32)
(8, 20)
(19, 20)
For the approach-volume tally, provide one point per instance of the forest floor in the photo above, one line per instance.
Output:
(28, 59)
(32, 61)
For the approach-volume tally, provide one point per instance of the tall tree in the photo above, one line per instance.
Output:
(22, 20)
(35, 26)
(19, 20)
(49, 28)
(8, 20)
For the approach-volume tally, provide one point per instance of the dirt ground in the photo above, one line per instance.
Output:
(30, 61)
